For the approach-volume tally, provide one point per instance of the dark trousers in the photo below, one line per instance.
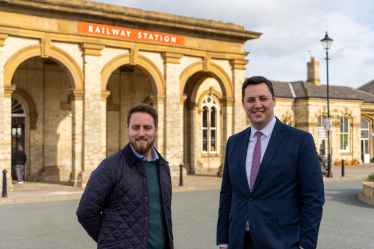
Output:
(248, 243)
(19, 172)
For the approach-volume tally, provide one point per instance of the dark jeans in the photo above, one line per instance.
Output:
(248, 243)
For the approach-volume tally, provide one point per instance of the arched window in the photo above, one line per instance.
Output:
(210, 109)
(322, 136)
(365, 155)
(18, 109)
(344, 134)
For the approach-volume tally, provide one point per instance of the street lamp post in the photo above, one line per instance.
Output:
(326, 43)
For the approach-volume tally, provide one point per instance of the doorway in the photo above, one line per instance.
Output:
(18, 131)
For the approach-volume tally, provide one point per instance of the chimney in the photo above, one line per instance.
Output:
(313, 72)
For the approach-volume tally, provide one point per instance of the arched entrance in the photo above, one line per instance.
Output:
(45, 83)
(129, 84)
(208, 92)
(18, 130)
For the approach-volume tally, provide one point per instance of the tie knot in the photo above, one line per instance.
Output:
(258, 134)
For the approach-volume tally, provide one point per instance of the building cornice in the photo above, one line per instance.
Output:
(114, 15)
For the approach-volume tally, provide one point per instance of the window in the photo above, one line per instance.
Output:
(365, 155)
(344, 134)
(322, 136)
(209, 124)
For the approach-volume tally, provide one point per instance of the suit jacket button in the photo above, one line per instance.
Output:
(250, 199)
(244, 221)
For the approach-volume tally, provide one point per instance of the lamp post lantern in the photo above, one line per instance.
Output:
(326, 43)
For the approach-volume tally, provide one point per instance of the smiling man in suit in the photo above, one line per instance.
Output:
(272, 189)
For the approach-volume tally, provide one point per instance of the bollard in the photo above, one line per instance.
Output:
(329, 173)
(181, 175)
(342, 167)
(5, 195)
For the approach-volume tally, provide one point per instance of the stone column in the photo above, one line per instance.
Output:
(159, 105)
(173, 126)
(6, 116)
(92, 113)
(227, 128)
(5, 121)
(77, 135)
(238, 78)
(104, 96)
(193, 150)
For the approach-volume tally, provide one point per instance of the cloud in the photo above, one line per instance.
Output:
(290, 28)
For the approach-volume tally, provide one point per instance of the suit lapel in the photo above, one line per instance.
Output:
(243, 158)
(275, 140)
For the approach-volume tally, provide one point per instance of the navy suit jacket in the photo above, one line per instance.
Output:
(284, 209)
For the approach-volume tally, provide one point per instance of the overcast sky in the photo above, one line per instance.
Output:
(290, 28)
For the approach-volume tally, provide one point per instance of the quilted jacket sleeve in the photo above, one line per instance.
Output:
(93, 200)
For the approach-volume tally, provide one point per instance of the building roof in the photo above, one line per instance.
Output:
(368, 87)
(302, 89)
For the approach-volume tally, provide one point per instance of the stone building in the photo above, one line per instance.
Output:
(304, 105)
(70, 70)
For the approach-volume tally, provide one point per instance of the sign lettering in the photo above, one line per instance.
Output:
(133, 34)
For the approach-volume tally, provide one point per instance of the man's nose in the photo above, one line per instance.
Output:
(141, 132)
(257, 103)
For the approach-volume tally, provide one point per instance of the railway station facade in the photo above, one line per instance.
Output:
(71, 70)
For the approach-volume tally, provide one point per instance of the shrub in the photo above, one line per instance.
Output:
(371, 178)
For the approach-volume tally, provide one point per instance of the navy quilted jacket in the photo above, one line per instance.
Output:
(114, 205)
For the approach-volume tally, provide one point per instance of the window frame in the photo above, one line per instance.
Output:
(214, 103)
(344, 126)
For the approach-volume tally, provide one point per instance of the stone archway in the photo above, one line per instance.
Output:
(156, 77)
(193, 78)
(60, 56)
(198, 72)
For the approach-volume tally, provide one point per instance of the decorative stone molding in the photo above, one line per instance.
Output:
(214, 71)
(134, 56)
(238, 64)
(227, 102)
(2, 39)
(172, 58)
(57, 54)
(76, 95)
(104, 95)
(207, 61)
(46, 47)
(8, 90)
(182, 99)
(92, 49)
(156, 76)
(209, 92)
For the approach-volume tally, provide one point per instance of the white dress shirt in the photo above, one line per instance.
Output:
(265, 138)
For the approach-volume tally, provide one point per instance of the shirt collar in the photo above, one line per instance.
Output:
(143, 158)
(267, 130)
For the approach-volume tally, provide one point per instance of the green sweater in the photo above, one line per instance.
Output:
(157, 235)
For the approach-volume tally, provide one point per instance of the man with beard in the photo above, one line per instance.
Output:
(127, 201)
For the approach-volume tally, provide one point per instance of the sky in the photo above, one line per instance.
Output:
(291, 28)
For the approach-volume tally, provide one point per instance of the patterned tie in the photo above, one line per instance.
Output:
(256, 160)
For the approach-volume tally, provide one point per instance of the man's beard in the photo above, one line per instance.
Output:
(141, 149)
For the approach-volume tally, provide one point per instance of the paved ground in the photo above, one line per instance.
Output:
(347, 222)
(38, 191)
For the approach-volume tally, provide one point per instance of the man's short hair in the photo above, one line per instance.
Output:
(257, 80)
(145, 108)
(20, 147)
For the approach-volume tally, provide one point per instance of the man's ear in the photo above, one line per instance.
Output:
(156, 131)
